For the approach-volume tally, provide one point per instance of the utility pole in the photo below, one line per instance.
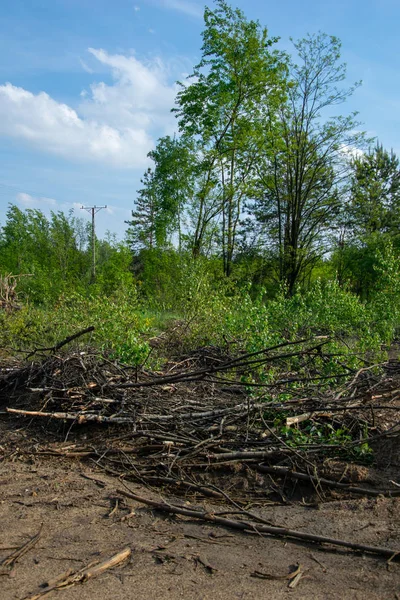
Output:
(93, 210)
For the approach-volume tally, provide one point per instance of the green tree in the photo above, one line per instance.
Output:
(14, 241)
(53, 250)
(375, 193)
(174, 178)
(221, 110)
(68, 258)
(142, 228)
(160, 204)
(370, 219)
(300, 189)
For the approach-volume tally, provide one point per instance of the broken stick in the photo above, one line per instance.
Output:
(78, 418)
(93, 570)
(12, 558)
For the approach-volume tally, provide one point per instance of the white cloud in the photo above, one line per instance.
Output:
(47, 204)
(185, 6)
(31, 202)
(350, 151)
(140, 97)
(115, 124)
(136, 8)
(85, 67)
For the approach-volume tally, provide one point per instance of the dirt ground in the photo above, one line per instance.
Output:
(175, 557)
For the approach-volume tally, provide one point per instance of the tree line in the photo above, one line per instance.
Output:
(264, 170)
(57, 252)
(265, 183)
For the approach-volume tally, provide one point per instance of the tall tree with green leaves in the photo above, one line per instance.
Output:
(174, 181)
(221, 110)
(64, 236)
(374, 206)
(142, 228)
(370, 218)
(300, 190)
(14, 242)
(167, 188)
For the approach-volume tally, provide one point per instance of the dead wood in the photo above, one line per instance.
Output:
(93, 570)
(78, 418)
(10, 560)
(251, 527)
(286, 472)
(192, 436)
(9, 297)
(63, 343)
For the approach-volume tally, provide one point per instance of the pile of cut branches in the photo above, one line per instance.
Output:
(251, 427)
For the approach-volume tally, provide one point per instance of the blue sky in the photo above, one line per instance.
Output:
(86, 87)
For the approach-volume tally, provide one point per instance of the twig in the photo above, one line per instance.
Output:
(12, 558)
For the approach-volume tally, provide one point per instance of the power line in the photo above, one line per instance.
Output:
(93, 210)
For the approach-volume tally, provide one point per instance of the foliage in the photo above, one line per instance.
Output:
(234, 224)
(222, 314)
(56, 252)
(237, 79)
(298, 195)
(143, 229)
(160, 204)
(121, 327)
(339, 438)
(375, 193)
(369, 220)
(385, 299)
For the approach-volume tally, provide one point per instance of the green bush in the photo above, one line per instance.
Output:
(121, 328)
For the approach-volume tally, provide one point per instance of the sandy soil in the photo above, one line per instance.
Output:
(174, 557)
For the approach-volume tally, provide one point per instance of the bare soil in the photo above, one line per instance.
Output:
(83, 518)
(176, 557)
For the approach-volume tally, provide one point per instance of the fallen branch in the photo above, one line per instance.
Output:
(64, 342)
(241, 362)
(250, 527)
(286, 472)
(239, 408)
(181, 483)
(93, 570)
(78, 418)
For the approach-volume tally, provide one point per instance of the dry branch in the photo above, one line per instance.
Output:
(71, 578)
(251, 527)
(78, 418)
(63, 343)
(286, 472)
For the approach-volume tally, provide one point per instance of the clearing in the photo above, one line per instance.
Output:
(86, 431)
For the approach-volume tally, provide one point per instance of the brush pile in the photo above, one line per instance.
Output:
(268, 425)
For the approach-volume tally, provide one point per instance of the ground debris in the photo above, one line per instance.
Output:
(71, 577)
(184, 431)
